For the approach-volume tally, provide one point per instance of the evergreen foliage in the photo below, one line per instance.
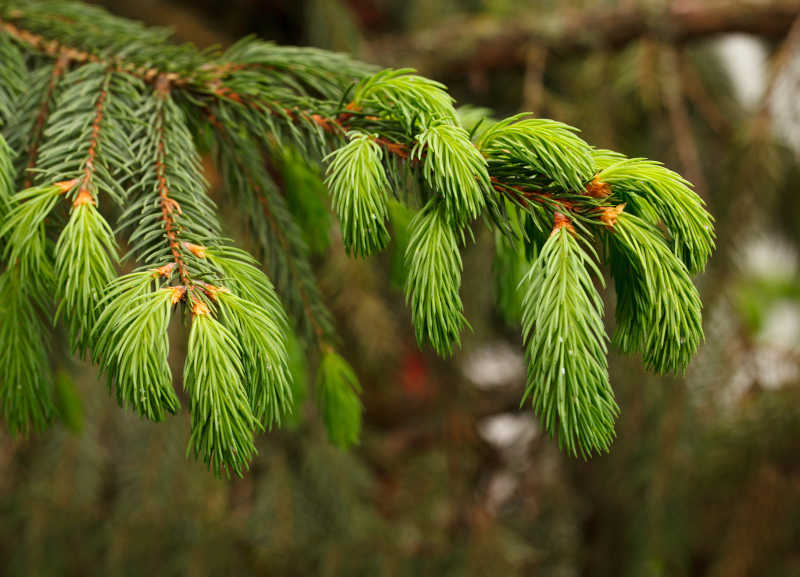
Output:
(562, 323)
(359, 190)
(105, 121)
(433, 279)
(132, 347)
(338, 391)
(653, 282)
(26, 396)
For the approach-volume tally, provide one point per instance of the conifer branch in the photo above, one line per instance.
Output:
(222, 420)
(566, 344)
(131, 344)
(26, 395)
(6, 176)
(359, 192)
(338, 398)
(433, 261)
(120, 113)
(169, 206)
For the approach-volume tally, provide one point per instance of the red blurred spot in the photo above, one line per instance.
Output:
(414, 377)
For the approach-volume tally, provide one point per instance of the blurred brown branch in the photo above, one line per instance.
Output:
(482, 42)
(679, 120)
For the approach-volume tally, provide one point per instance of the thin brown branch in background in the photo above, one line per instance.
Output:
(478, 43)
(533, 85)
(695, 91)
(681, 126)
(778, 62)
(59, 68)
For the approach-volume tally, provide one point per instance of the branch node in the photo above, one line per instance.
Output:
(560, 220)
(164, 271)
(84, 197)
(178, 293)
(197, 250)
(212, 291)
(610, 214)
(597, 188)
(65, 186)
(200, 308)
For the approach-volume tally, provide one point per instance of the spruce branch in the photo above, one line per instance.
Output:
(511, 264)
(110, 117)
(169, 202)
(85, 255)
(6, 177)
(659, 195)
(131, 344)
(453, 168)
(658, 307)
(359, 192)
(27, 248)
(26, 392)
(222, 420)
(306, 197)
(412, 100)
(562, 325)
(258, 320)
(433, 262)
(337, 392)
(261, 331)
(30, 108)
(86, 146)
(549, 149)
(13, 79)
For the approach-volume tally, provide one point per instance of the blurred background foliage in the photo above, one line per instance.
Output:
(452, 478)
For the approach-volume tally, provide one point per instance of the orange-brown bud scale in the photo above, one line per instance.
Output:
(200, 308)
(610, 214)
(84, 197)
(164, 271)
(65, 186)
(343, 117)
(319, 120)
(177, 294)
(169, 205)
(162, 84)
(560, 221)
(396, 148)
(197, 250)
(598, 189)
(212, 291)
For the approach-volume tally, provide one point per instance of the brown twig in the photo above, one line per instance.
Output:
(696, 93)
(685, 142)
(532, 84)
(44, 112)
(169, 206)
(477, 43)
(68, 54)
(88, 169)
(778, 62)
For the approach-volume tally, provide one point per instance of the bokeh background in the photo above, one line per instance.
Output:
(452, 477)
